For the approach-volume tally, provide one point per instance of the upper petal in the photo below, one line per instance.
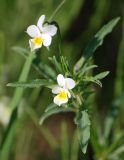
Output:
(61, 80)
(50, 29)
(40, 22)
(56, 89)
(47, 39)
(70, 83)
(33, 31)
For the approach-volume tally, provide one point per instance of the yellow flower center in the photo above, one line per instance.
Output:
(62, 95)
(38, 40)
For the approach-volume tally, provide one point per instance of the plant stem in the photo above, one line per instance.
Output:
(23, 77)
(56, 10)
(10, 131)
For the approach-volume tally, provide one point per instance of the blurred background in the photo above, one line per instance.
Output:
(79, 20)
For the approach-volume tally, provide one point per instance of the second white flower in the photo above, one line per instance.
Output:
(41, 34)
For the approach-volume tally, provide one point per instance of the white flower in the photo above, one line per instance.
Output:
(41, 34)
(62, 89)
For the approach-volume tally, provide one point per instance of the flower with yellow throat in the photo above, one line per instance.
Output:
(41, 34)
(62, 89)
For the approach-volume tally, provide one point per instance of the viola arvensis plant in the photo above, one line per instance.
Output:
(62, 89)
(41, 34)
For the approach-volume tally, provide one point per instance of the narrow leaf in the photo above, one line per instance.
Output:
(92, 79)
(83, 124)
(56, 64)
(102, 75)
(96, 42)
(54, 110)
(87, 68)
(24, 52)
(32, 84)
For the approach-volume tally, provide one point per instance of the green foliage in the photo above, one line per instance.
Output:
(54, 110)
(83, 124)
(103, 131)
(62, 66)
(32, 84)
(96, 42)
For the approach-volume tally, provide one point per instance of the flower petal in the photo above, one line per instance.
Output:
(33, 46)
(70, 83)
(33, 31)
(47, 39)
(61, 80)
(59, 101)
(49, 29)
(69, 94)
(56, 90)
(40, 22)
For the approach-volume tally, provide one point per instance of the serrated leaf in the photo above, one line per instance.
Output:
(83, 124)
(102, 75)
(32, 84)
(96, 42)
(54, 110)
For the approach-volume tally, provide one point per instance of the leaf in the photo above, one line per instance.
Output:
(92, 79)
(24, 52)
(83, 124)
(32, 84)
(65, 65)
(96, 42)
(54, 110)
(87, 68)
(56, 64)
(44, 69)
(102, 75)
(49, 107)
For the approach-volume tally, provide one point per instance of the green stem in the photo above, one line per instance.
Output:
(56, 10)
(23, 77)
(10, 131)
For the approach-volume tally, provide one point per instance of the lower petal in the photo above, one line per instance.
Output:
(33, 46)
(59, 101)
